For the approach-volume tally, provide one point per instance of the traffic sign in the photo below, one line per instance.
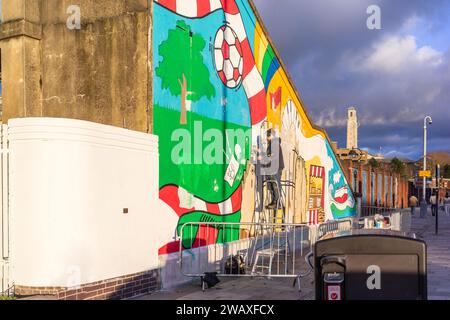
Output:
(418, 182)
(425, 173)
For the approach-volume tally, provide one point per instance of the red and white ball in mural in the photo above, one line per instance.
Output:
(228, 57)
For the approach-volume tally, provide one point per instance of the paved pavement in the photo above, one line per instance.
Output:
(240, 289)
(264, 289)
(244, 288)
(438, 249)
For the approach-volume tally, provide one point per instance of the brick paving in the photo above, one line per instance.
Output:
(438, 249)
(244, 288)
(239, 289)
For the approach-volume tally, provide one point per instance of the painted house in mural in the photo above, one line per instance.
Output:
(215, 69)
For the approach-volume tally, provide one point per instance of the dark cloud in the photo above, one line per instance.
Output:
(397, 139)
(390, 75)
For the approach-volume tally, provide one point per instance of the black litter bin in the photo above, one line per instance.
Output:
(370, 265)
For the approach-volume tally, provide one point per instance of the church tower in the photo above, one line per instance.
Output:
(352, 128)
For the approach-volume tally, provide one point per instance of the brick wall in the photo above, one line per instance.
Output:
(384, 170)
(111, 289)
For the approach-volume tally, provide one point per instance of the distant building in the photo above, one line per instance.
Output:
(352, 128)
(374, 181)
(351, 152)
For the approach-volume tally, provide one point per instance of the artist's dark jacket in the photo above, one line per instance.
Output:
(267, 158)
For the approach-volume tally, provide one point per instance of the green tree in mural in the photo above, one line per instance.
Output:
(182, 69)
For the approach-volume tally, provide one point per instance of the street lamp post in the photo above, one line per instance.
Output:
(356, 155)
(423, 205)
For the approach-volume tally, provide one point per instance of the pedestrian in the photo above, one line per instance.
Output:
(447, 203)
(413, 202)
(434, 204)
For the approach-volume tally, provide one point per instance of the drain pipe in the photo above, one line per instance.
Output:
(149, 65)
(4, 240)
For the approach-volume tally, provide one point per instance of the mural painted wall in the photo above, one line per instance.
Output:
(216, 75)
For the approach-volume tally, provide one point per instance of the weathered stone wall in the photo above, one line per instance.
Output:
(99, 73)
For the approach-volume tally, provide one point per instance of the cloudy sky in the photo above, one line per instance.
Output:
(394, 76)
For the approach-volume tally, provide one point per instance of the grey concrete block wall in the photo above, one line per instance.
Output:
(100, 73)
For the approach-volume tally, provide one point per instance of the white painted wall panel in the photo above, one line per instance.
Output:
(69, 183)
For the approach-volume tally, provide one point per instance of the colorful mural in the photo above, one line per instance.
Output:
(316, 203)
(215, 74)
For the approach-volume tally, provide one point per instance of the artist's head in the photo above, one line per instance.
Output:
(270, 134)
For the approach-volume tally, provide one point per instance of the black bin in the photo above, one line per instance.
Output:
(370, 265)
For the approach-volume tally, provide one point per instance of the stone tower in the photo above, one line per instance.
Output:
(352, 128)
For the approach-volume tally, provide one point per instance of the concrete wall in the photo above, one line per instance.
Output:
(216, 69)
(98, 73)
(69, 183)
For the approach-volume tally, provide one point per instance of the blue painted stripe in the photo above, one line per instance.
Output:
(274, 66)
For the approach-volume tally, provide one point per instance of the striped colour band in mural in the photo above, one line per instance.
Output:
(313, 217)
(173, 196)
(318, 172)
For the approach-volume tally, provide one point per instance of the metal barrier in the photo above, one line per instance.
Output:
(274, 250)
(333, 226)
(367, 211)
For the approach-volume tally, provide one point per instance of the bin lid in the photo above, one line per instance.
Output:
(364, 232)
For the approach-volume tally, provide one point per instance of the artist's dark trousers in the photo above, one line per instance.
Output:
(272, 186)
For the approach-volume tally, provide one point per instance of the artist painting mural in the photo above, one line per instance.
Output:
(217, 84)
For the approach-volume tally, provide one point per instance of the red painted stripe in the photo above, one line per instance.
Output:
(249, 61)
(230, 6)
(203, 8)
(206, 235)
(313, 217)
(258, 107)
(212, 208)
(169, 4)
(236, 199)
(169, 195)
(171, 247)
